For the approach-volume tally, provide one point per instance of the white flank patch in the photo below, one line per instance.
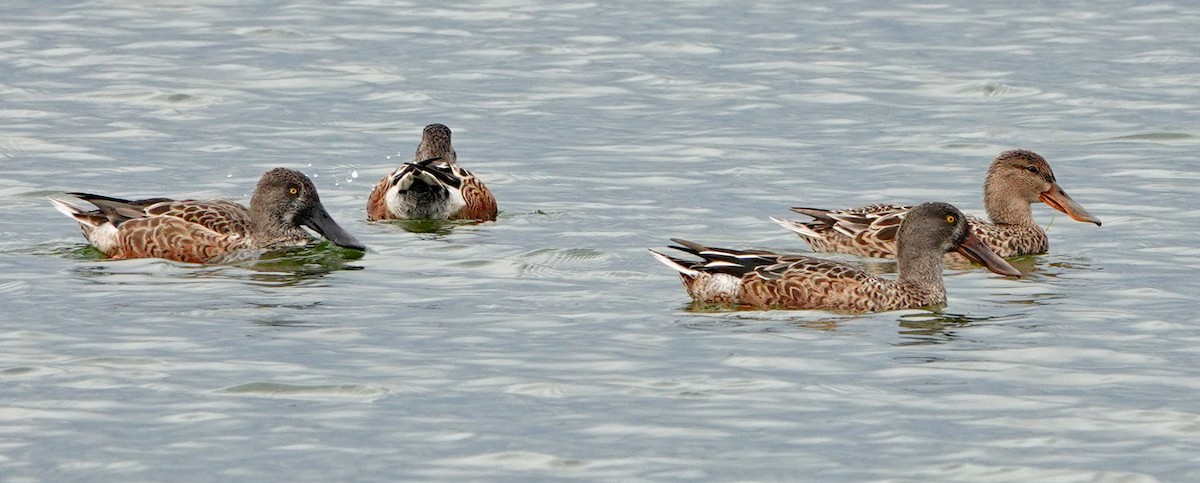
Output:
(718, 286)
(103, 237)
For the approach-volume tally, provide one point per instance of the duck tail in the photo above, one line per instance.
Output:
(818, 214)
(681, 266)
(796, 227)
(64, 205)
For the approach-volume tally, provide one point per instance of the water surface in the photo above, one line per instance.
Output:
(549, 345)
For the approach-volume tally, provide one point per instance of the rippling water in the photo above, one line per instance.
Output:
(549, 345)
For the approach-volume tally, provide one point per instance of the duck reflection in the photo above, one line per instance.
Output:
(926, 328)
(430, 228)
(285, 267)
(300, 265)
(438, 228)
(915, 327)
(760, 321)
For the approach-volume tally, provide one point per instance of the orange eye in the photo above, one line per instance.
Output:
(293, 190)
(950, 219)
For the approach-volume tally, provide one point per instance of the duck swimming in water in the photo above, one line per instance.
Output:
(198, 231)
(432, 186)
(765, 280)
(1015, 180)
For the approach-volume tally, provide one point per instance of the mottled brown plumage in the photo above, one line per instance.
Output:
(207, 231)
(763, 280)
(1015, 180)
(432, 186)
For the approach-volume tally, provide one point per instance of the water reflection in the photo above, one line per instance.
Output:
(291, 266)
(1026, 265)
(275, 390)
(766, 321)
(283, 322)
(287, 314)
(76, 251)
(1045, 267)
(916, 327)
(1049, 298)
(436, 228)
(935, 327)
(294, 266)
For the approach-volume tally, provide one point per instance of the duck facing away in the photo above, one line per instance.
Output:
(432, 186)
(764, 280)
(198, 231)
(1015, 180)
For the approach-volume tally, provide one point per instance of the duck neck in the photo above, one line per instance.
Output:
(1005, 208)
(919, 266)
(436, 149)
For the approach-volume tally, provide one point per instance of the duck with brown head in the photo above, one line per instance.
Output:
(199, 231)
(765, 280)
(1016, 179)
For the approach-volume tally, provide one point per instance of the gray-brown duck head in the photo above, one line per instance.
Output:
(933, 229)
(435, 143)
(285, 200)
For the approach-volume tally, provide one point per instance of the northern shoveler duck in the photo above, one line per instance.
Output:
(207, 231)
(432, 186)
(1015, 180)
(764, 280)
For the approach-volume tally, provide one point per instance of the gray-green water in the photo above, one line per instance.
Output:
(549, 345)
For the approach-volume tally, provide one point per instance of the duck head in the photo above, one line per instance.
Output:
(937, 228)
(285, 200)
(1021, 177)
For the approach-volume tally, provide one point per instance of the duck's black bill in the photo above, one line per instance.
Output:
(319, 220)
(979, 253)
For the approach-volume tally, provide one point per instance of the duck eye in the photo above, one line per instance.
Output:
(1032, 169)
(950, 219)
(293, 190)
